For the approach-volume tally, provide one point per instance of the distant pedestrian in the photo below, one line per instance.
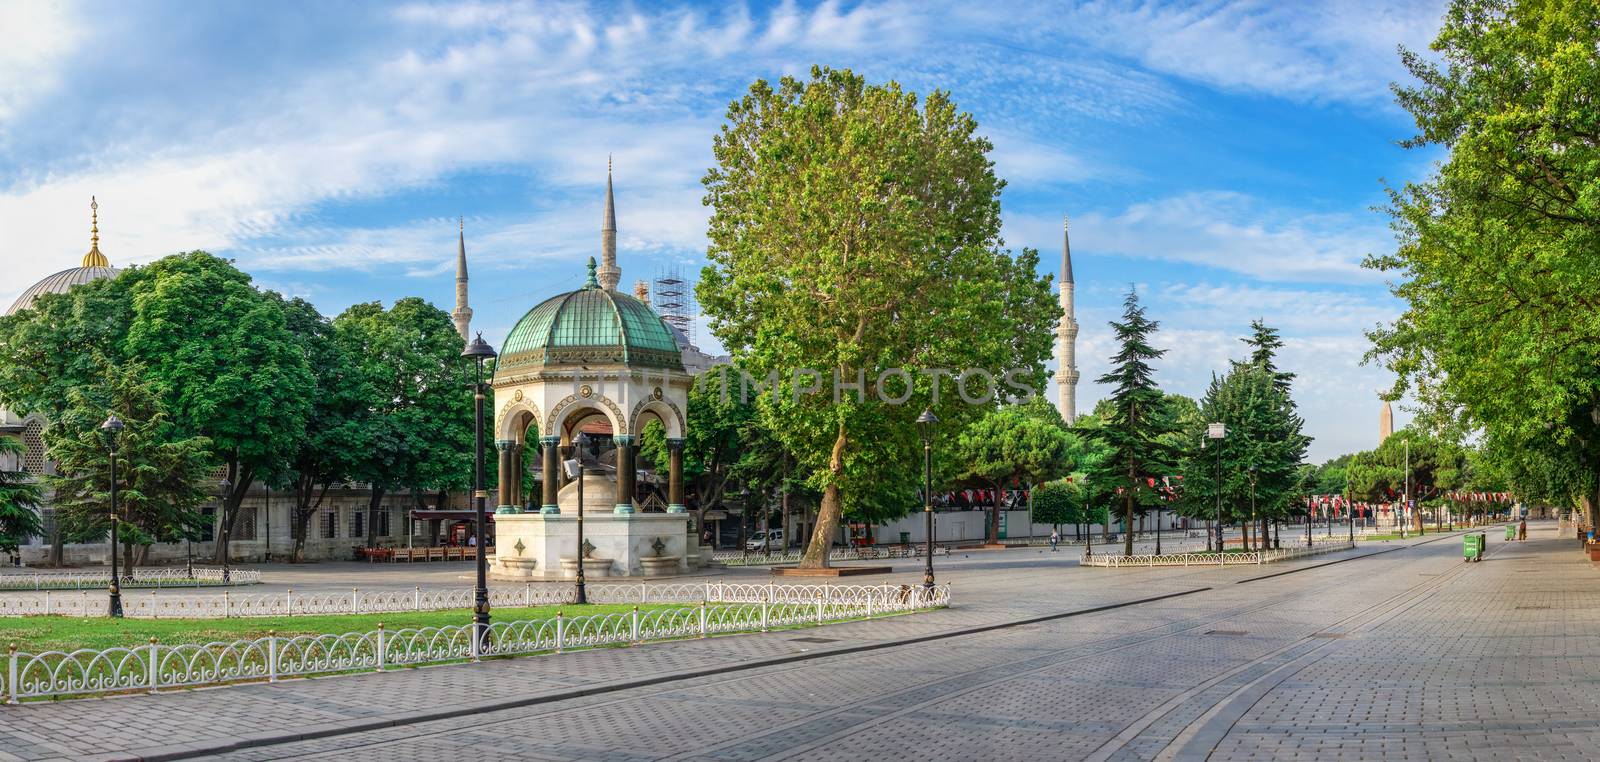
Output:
(1055, 539)
(1522, 530)
(472, 541)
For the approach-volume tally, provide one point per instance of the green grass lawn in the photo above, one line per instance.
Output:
(65, 633)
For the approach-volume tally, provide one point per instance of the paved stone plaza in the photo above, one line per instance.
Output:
(1401, 651)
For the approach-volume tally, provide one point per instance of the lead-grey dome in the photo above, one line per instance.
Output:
(59, 283)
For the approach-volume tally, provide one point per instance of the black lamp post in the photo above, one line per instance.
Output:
(227, 528)
(575, 471)
(480, 351)
(113, 427)
(1216, 431)
(925, 423)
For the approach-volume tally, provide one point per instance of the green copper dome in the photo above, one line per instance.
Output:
(589, 326)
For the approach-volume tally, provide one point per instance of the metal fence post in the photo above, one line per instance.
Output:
(820, 602)
(473, 650)
(764, 597)
(527, 595)
(561, 631)
(288, 601)
(706, 596)
(702, 619)
(155, 673)
(871, 596)
(355, 605)
(416, 597)
(47, 603)
(272, 656)
(382, 659)
(226, 607)
(11, 675)
(635, 624)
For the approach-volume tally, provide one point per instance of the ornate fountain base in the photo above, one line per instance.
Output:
(538, 545)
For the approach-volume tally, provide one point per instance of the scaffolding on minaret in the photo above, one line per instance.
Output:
(673, 298)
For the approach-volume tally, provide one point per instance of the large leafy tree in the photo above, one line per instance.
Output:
(1435, 466)
(1496, 250)
(163, 475)
(855, 228)
(338, 428)
(417, 414)
(1259, 458)
(19, 501)
(214, 349)
(225, 366)
(1015, 446)
(1136, 416)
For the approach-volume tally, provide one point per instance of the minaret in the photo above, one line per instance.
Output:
(1067, 337)
(462, 314)
(610, 274)
(1385, 422)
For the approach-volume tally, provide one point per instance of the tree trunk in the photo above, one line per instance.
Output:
(241, 477)
(993, 532)
(830, 512)
(1127, 524)
(372, 513)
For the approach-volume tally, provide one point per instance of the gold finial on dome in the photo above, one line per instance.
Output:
(94, 258)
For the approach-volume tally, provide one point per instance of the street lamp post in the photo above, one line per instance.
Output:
(925, 423)
(480, 351)
(1217, 431)
(113, 427)
(227, 528)
(575, 471)
(1350, 509)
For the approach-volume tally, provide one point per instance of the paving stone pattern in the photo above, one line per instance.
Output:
(1393, 654)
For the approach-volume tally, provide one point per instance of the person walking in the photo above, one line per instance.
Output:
(1055, 539)
(1522, 530)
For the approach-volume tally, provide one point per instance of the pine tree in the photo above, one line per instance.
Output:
(1134, 425)
(19, 502)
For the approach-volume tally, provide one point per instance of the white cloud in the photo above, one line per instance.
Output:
(35, 36)
(1329, 50)
(1237, 233)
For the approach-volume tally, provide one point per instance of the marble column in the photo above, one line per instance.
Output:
(675, 477)
(549, 449)
(627, 473)
(508, 476)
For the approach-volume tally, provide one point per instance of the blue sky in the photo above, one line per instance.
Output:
(1223, 156)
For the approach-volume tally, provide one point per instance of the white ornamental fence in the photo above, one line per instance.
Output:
(1254, 557)
(155, 666)
(357, 601)
(140, 578)
(871, 552)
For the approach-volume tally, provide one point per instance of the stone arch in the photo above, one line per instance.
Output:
(514, 420)
(573, 403)
(664, 409)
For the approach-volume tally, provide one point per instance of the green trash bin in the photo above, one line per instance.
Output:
(1471, 547)
(1511, 531)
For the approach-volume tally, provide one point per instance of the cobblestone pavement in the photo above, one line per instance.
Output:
(1401, 651)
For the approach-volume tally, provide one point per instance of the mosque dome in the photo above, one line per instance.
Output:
(590, 326)
(94, 267)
